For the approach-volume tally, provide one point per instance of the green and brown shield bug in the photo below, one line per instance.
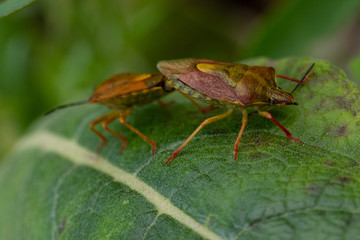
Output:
(229, 84)
(121, 93)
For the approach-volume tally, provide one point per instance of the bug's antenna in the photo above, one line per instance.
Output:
(307, 72)
(65, 106)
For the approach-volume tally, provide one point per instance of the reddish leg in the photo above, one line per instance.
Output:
(153, 144)
(204, 123)
(201, 109)
(295, 80)
(92, 128)
(105, 124)
(244, 122)
(288, 134)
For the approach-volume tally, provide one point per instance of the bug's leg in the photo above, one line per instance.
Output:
(201, 109)
(295, 80)
(204, 123)
(122, 120)
(109, 120)
(92, 128)
(268, 116)
(267, 110)
(244, 122)
(164, 104)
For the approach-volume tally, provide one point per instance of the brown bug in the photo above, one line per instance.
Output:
(229, 84)
(121, 93)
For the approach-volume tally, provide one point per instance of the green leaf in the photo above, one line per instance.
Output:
(53, 185)
(10, 6)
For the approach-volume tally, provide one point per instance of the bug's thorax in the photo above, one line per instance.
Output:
(255, 84)
(260, 84)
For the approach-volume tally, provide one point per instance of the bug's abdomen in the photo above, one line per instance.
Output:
(137, 98)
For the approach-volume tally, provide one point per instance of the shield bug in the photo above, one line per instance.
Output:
(229, 84)
(121, 93)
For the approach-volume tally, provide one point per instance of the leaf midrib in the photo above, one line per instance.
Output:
(75, 153)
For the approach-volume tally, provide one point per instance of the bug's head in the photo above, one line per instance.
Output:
(277, 96)
(280, 97)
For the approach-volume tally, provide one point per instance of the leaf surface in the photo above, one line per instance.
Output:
(9, 6)
(53, 185)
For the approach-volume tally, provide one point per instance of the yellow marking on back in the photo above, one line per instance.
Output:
(141, 77)
(229, 73)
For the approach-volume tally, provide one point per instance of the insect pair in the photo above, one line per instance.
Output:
(232, 85)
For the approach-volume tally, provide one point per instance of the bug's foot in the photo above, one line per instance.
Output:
(294, 139)
(235, 155)
(307, 78)
(153, 150)
(123, 147)
(236, 149)
(100, 147)
(168, 160)
(172, 156)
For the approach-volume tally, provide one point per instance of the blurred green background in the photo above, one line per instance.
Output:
(56, 52)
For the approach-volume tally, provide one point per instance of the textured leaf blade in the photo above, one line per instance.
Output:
(9, 6)
(277, 188)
